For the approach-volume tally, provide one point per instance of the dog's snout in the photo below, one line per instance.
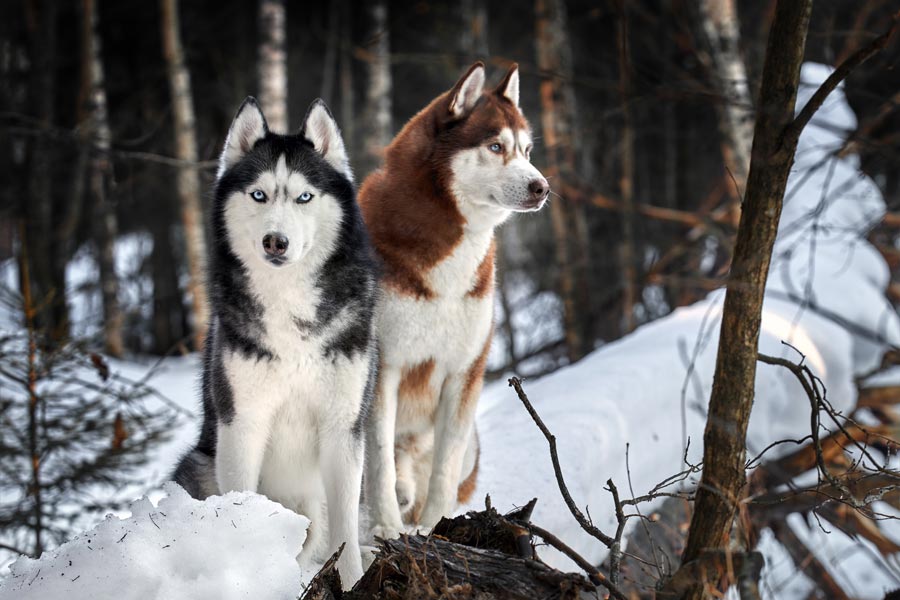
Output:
(538, 188)
(275, 244)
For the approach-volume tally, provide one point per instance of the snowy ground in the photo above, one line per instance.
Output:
(642, 398)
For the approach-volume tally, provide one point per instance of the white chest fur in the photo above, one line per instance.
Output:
(451, 326)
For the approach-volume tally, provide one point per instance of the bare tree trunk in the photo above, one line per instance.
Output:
(346, 76)
(628, 254)
(35, 487)
(720, 27)
(188, 182)
(46, 271)
(332, 45)
(562, 145)
(722, 483)
(273, 89)
(376, 121)
(106, 224)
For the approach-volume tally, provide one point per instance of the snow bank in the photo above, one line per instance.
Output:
(240, 545)
(645, 395)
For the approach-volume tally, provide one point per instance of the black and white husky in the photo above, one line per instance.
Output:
(290, 358)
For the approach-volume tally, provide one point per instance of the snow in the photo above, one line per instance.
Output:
(625, 412)
(239, 545)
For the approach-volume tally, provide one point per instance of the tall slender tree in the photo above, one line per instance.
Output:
(272, 66)
(720, 27)
(188, 181)
(97, 134)
(562, 144)
(376, 126)
(46, 269)
(725, 438)
(627, 250)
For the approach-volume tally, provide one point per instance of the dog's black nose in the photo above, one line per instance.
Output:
(275, 244)
(538, 188)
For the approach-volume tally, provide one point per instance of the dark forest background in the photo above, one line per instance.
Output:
(631, 91)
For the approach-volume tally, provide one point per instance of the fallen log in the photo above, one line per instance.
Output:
(481, 555)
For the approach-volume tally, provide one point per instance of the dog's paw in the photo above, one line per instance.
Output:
(385, 532)
(406, 494)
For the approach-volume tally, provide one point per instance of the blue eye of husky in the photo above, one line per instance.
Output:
(304, 198)
(496, 148)
(258, 195)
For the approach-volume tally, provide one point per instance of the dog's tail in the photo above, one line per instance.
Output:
(196, 474)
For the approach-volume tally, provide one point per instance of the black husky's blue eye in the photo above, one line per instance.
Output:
(304, 198)
(496, 148)
(258, 195)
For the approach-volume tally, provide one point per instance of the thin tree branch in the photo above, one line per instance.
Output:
(793, 131)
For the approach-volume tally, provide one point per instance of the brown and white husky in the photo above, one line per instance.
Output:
(454, 173)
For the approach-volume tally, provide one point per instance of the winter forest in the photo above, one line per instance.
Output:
(692, 378)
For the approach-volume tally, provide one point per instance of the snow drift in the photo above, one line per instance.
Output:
(239, 545)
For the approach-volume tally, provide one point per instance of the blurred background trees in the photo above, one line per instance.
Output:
(113, 113)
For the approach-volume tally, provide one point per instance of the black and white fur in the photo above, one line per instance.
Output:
(290, 359)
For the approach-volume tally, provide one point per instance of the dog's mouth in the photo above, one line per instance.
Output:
(532, 205)
(276, 260)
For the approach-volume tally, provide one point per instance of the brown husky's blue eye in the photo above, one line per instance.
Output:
(304, 198)
(258, 195)
(496, 148)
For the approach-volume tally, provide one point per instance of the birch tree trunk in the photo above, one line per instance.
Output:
(722, 483)
(718, 20)
(346, 76)
(332, 47)
(97, 134)
(376, 122)
(273, 88)
(188, 181)
(562, 144)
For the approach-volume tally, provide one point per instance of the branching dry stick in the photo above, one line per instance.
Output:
(807, 380)
(615, 551)
(583, 521)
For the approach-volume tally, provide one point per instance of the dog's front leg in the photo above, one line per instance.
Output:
(342, 466)
(244, 424)
(381, 474)
(452, 430)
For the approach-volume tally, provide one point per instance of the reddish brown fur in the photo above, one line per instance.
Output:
(408, 208)
(475, 375)
(464, 492)
(484, 276)
(416, 380)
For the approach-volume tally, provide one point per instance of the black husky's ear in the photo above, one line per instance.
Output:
(509, 87)
(467, 91)
(249, 126)
(320, 128)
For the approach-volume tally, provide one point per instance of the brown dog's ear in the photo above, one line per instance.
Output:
(467, 91)
(509, 87)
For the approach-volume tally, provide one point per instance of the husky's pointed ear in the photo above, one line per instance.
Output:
(467, 91)
(509, 87)
(320, 128)
(249, 126)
